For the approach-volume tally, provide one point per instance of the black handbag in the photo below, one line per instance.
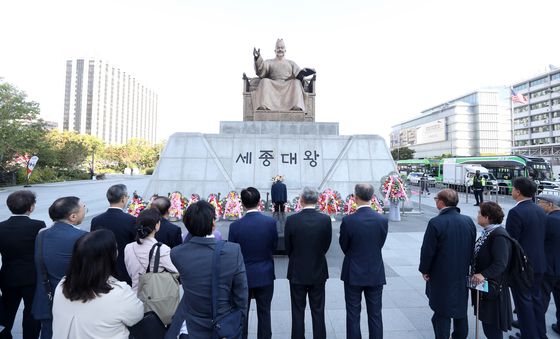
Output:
(229, 325)
(494, 290)
(150, 327)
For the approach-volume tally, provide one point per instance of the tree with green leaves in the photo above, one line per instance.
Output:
(402, 153)
(20, 126)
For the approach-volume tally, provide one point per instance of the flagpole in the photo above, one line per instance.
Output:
(511, 120)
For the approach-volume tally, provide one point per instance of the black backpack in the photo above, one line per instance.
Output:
(519, 272)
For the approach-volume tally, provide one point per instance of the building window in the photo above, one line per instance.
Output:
(521, 109)
(522, 143)
(555, 76)
(521, 87)
(538, 82)
(539, 105)
(539, 117)
(521, 131)
(540, 129)
(541, 141)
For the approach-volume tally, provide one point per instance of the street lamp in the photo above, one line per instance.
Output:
(92, 169)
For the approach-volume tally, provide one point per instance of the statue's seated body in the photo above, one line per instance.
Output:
(280, 92)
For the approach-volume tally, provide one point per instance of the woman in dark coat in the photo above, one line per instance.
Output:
(492, 252)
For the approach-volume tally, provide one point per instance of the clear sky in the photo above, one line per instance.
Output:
(378, 62)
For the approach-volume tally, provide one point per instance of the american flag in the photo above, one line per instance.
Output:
(518, 98)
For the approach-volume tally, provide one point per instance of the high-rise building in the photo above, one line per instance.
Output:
(104, 101)
(475, 124)
(536, 116)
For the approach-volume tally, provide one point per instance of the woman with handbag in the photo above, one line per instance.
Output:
(492, 252)
(136, 254)
(89, 302)
(213, 277)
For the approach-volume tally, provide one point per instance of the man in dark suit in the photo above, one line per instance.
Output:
(257, 236)
(551, 205)
(17, 276)
(194, 263)
(279, 195)
(308, 237)
(57, 243)
(444, 263)
(122, 224)
(362, 236)
(168, 233)
(526, 222)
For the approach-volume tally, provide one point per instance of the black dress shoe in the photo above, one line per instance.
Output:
(555, 328)
(475, 205)
(515, 323)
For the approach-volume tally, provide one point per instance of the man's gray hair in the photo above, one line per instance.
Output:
(309, 195)
(364, 191)
(116, 192)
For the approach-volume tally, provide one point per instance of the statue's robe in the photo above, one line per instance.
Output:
(278, 89)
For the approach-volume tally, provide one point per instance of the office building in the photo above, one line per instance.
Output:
(104, 101)
(536, 119)
(475, 124)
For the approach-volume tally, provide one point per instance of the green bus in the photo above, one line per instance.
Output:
(508, 167)
(430, 166)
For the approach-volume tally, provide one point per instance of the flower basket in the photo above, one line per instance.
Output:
(232, 206)
(214, 201)
(330, 202)
(178, 206)
(136, 205)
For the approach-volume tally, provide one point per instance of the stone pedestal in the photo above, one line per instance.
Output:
(252, 153)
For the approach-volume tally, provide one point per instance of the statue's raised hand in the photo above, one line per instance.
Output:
(256, 52)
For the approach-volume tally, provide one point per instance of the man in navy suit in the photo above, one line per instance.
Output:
(257, 236)
(168, 233)
(279, 195)
(17, 276)
(526, 222)
(445, 257)
(122, 224)
(308, 237)
(551, 205)
(362, 236)
(55, 253)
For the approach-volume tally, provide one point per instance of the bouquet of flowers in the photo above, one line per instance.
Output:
(296, 207)
(178, 206)
(232, 206)
(329, 202)
(376, 205)
(214, 201)
(350, 205)
(261, 206)
(194, 198)
(137, 205)
(393, 188)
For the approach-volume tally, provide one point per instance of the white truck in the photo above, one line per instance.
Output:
(460, 176)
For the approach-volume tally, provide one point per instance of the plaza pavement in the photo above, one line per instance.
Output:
(406, 314)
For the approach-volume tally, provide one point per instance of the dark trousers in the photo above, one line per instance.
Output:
(551, 284)
(442, 327)
(478, 195)
(279, 207)
(530, 311)
(492, 331)
(353, 298)
(298, 296)
(11, 298)
(46, 329)
(263, 298)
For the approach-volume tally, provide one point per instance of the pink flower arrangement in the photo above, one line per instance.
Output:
(214, 201)
(194, 198)
(178, 206)
(350, 205)
(329, 202)
(393, 188)
(137, 205)
(376, 204)
(296, 206)
(232, 206)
